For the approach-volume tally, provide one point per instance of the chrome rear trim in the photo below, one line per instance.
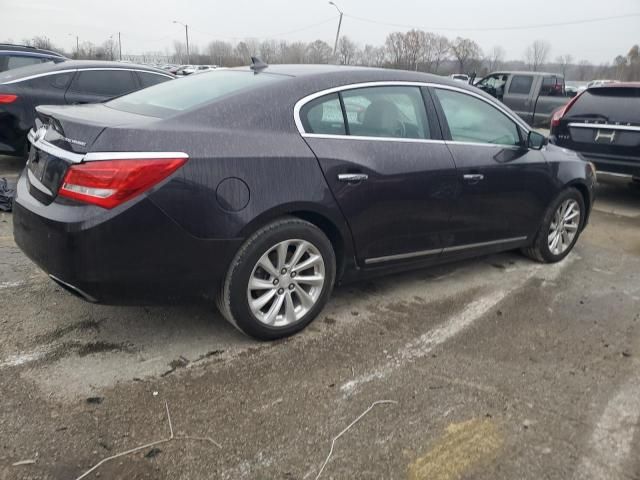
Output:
(47, 147)
(97, 156)
(38, 184)
(606, 126)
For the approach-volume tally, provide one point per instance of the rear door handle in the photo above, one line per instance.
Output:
(352, 177)
(473, 177)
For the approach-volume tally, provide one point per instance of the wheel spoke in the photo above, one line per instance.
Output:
(267, 266)
(572, 227)
(289, 308)
(297, 255)
(281, 250)
(260, 284)
(311, 279)
(305, 299)
(309, 262)
(270, 317)
(262, 300)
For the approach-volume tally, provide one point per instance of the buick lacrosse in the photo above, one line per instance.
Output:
(262, 187)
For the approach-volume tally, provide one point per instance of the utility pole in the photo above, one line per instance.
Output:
(335, 45)
(77, 44)
(186, 34)
(120, 45)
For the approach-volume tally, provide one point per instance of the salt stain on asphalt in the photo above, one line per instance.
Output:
(5, 285)
(23, 358)
(454, 325)
(612, 438)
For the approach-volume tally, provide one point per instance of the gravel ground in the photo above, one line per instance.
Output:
(500, 369)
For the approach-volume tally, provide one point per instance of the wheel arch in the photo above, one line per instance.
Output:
(583, 189)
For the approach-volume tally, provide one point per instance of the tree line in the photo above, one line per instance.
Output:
(411, 50)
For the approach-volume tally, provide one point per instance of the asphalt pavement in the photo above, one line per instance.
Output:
(494, 368)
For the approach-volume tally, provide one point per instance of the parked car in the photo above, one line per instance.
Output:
(185, 70)
(461, 77)
(571, 92)
(204, 68)
(69, 82)
(532, 95)
(603, 125)
(15, 56)
(599, 83)
(178, 190)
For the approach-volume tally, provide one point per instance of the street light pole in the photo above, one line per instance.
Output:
(335, 45)
(120, 45)
(186, 34)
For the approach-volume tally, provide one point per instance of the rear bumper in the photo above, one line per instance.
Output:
(627, 166)
(130, 255)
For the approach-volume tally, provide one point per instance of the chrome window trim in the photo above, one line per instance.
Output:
(379, 139)
(422, 253)
(38, 184)
(71, 70)
(606, 126)
(393, 83)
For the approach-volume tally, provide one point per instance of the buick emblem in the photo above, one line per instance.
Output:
(600, 135)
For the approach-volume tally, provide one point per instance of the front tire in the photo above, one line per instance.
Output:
(279, 280)
(560, 228)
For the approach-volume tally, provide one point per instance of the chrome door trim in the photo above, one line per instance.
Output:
(606, 126)
(402, 256)
(391, 83)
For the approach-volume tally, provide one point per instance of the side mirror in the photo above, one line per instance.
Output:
(536, 140)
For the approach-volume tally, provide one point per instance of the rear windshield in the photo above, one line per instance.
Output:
(610, 104)
(176, 96)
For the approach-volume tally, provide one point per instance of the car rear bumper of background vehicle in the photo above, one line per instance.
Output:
(614, 164)
(122, 256)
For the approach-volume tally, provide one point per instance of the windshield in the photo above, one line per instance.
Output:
(169, 98)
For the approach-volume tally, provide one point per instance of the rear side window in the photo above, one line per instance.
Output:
(20, 61)
(148, 79)
(391, 112)
(552, 87)
(61, 80)
(608, 104)
(521, 84)
(172, 97)
(323, 116)
(107, 83)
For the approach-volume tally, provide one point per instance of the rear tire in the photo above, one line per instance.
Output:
(560, 228)
(279, 280)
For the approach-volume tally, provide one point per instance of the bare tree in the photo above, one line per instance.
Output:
(441, 50)
(536, 54)
(395, 45)
(495, 58)
(564, 61)
(39, 42)
(221, 53)
(346, 50)
(585, 70)
(466, 51)
(319, 52)
(414, 47)
(371, 56)
(268, 51)
(179, 52)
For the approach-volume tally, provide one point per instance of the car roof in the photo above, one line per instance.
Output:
(26, 48)
(46, 68)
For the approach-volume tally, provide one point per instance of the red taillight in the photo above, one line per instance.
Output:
(557, 116)
(7, 98)
(108, 183)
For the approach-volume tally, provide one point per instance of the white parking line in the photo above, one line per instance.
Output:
(454, 325)
(22, 358)
(4, 285)
(612, 438)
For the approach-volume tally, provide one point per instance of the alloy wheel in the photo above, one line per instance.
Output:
(564, 226)
(286, 283)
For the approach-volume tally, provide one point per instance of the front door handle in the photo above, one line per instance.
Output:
(473, 177)
(352, 177)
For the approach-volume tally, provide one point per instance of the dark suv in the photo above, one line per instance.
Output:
(15, 56)
(603, 125)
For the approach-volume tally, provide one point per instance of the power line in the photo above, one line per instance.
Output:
(491, 29)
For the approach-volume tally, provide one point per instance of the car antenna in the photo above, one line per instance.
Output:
(257, 65)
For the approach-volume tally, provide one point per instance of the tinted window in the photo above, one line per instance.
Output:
(171, 97)
(393, 112)
(323, 115)
(149, 79)
(609, 104)
(521, 84)
(551, 86)
(108, 83)
(19, 61)
(473, 120)
(61, 80)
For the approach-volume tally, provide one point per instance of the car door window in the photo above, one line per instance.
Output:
(390, 112)
(323, 116)
(148, 79)
(107, 83)
(16, 61)
(521, 84)
(473, 120)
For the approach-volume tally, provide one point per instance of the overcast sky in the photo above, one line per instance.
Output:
(147, 25)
